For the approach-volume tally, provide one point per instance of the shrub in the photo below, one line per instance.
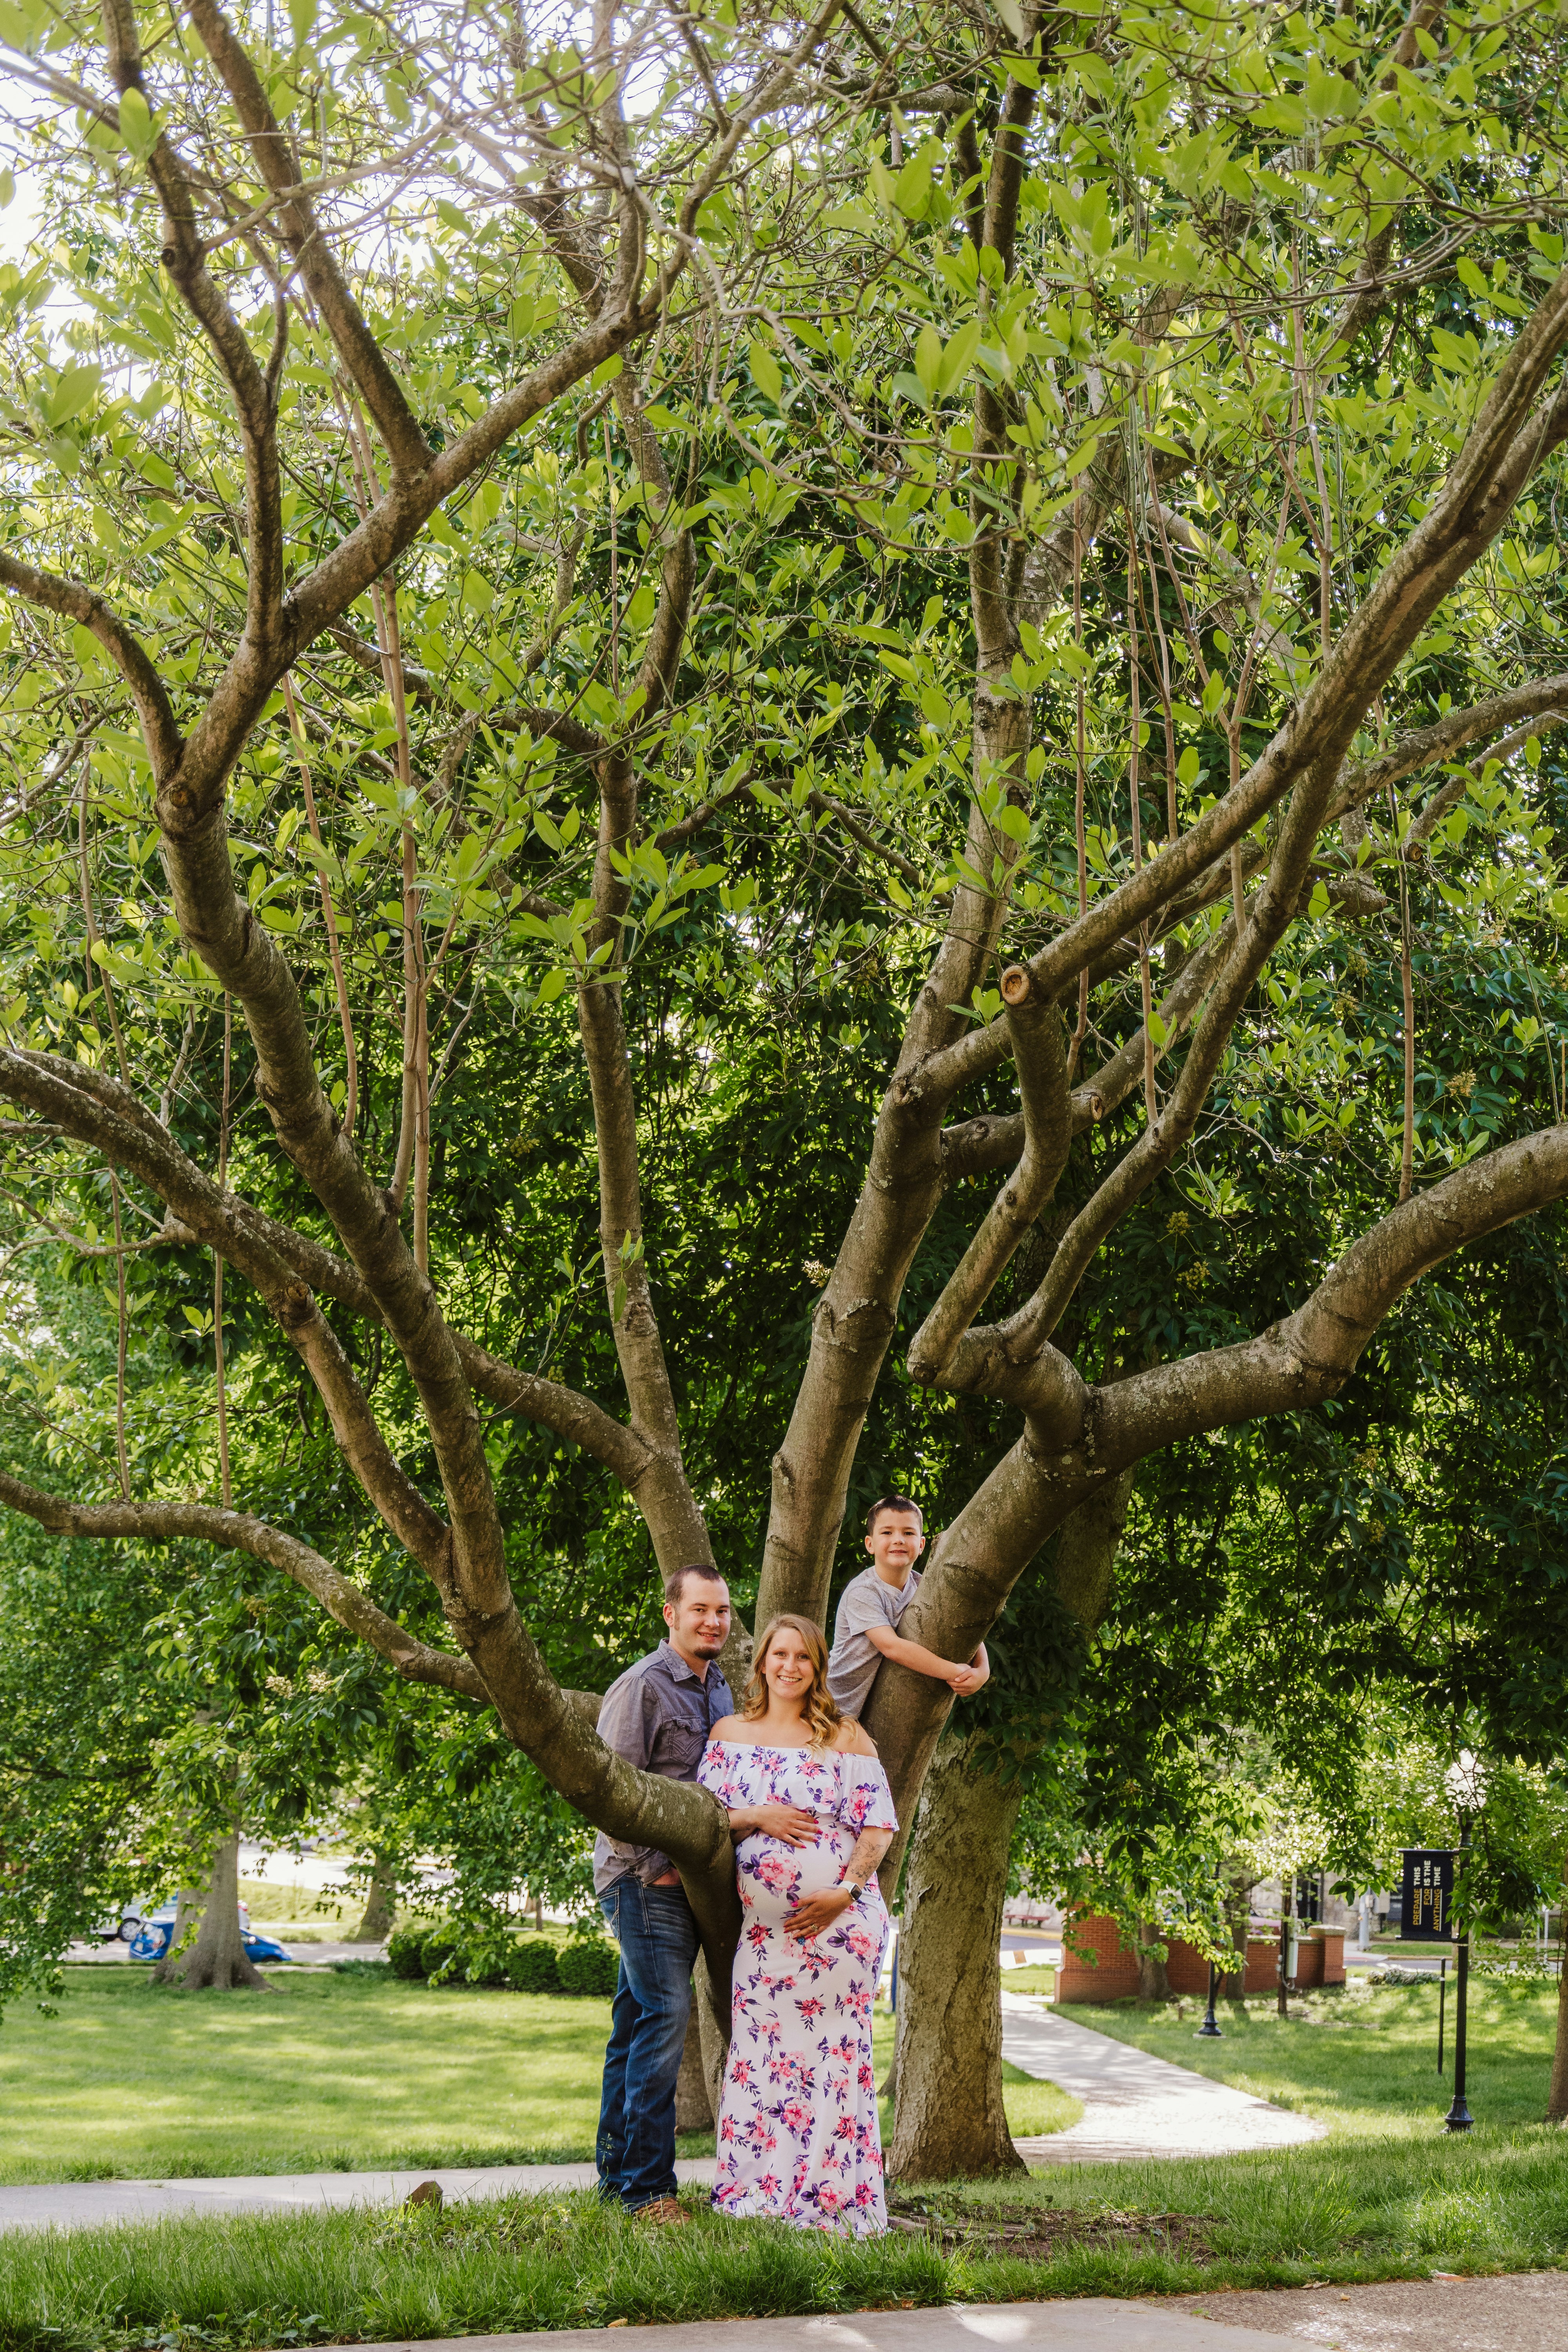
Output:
(442, 1954)
(589, 1964)
(531, 1965)
(487, 1956)
(406, 1952)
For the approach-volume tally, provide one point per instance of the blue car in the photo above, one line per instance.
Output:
(152, 1937)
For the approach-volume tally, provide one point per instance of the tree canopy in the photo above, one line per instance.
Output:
(689, 700)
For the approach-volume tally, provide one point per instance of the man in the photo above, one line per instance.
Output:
(866, 1630)
(657, 1716)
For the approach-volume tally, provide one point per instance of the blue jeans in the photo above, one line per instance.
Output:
(657, 1936)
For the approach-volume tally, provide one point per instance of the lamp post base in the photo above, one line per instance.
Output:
(1459, 2118)
(1209, 2032)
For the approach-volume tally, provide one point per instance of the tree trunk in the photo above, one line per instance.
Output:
(1154, 1982)
(189, 1906)
(949, 2122)
(693, 2110)
(380, 1907)
(1287, 1916)
(217, 1957)
(947, 2070)
(711, 2006)
(1557, 2096)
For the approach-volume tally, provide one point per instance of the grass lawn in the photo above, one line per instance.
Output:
(360, 2060)
(1341, 2211)
(326, 2072)
(1364, 2059)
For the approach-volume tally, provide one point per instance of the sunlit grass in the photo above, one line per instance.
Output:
(1363, 2059)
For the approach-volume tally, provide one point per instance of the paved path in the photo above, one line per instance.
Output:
(1527, 2312)
(1135, 2106)
(1099, 2324)
(87, 2204)
(1524, 2313)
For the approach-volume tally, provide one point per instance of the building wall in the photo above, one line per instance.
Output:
(1319, 1962)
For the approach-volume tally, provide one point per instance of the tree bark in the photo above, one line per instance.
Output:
(1557, 2096)
(218, 1958)
(950, 1984)
(1153, 1980)
(189, 1906)
(693, 2108)
(949, 2121)
(380, 1907)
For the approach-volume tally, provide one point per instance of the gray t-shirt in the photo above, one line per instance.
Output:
(852, 1667)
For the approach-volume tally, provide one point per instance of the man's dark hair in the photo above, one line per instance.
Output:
(892, 1503)
(674, 1583)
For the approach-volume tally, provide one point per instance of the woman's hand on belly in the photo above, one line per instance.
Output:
(787, 1825)
(814, 1912)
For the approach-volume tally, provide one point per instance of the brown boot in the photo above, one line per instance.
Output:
(663, 2208)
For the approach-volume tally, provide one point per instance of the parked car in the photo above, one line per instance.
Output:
(151, 1936)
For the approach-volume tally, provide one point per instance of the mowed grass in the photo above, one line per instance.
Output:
(1364, 2058)
(1341, 2211)
(323, 2073)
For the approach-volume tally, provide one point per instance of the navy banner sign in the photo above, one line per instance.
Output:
(1428, 1894)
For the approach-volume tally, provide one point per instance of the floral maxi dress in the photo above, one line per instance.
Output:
(797, 2122)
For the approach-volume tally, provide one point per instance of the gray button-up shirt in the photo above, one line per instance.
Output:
(657, 1716)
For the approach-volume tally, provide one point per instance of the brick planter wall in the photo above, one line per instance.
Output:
(1320, 1959)
(1117, 1973)
(1187, 1969)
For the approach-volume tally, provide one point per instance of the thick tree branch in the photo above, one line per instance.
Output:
(1292, 1365)
(1039, 1050)
(377, 386)
(72, 602)
(168, 1522)
(253, 393)
(47, 1086)
(90, 1108)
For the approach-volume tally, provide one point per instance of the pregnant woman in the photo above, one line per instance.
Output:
(811, 1813)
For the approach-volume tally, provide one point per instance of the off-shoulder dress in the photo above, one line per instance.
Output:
(798, 2139)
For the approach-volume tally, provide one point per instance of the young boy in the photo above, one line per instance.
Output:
(866, 1630)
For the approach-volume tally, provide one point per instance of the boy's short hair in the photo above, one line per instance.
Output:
(674, 1583)
(892, 1503)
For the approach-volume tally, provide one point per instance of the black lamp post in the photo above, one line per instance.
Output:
(1459, 2118)
(1210, 2030)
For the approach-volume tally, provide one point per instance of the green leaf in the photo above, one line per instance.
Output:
(766, 373)
(928, 360)
(74, 390)
(912, 188)
(959, 356)
(302, 15)
(137, 127)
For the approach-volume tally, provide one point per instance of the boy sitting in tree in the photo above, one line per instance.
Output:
(866, 1630)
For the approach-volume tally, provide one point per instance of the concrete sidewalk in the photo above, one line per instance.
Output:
(89, 2204)
(1102, 2325)
(1527, 2312)
(1135, 2106)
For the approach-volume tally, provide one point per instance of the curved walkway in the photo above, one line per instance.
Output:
(1135, 2106)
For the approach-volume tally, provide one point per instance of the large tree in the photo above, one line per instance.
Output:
(709, 527)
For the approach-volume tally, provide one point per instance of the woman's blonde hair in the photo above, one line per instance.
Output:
(822, 1715)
